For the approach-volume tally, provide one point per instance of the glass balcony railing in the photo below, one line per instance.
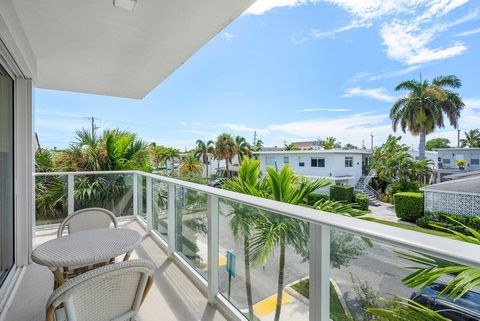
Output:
(246, 252)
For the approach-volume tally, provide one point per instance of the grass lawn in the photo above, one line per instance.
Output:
(336, 310)
(411, 227)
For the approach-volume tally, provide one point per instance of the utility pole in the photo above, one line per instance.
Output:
(254, 138)
(371, 135)
(93, 126)
(458, 137)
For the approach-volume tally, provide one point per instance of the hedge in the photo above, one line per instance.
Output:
(440, 219)
(341, 193)
(313, 198)
(362, 201)
(408, 205)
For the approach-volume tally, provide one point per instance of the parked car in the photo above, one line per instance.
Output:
(217, 182)
(466, 308)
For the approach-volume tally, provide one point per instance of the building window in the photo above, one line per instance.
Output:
(301, 164)
(318, 162)
(446, 160)
(286, 160)
(475, 159)
(349, 161)
(269, 161)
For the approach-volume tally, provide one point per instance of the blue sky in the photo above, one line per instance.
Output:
(293, 70)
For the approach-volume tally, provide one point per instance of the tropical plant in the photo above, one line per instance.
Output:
(226, 149)
(156, 155)
(329, 143)
(202, 150)
(273, 230)
(243, 148)
(258, 145)
(423, 109)
(461, 163)
(190, 165)
(291, 147)
(243, 217)
(437, 143)
(170, 154)
(472, 138)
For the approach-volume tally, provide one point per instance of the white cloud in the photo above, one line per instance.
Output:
(467, 33)
(309, 110)
(472, 103)
(393, 74)
(319, 34)
(228, 36)
(262, 6)
(375, 93)
(244, 128)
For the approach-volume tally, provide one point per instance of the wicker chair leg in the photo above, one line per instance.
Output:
(147, 288)
(50, 313)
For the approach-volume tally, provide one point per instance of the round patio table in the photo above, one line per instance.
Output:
(85, 248)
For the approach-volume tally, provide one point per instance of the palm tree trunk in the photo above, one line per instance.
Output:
(226, 164)
(248, 285)
(281, 271)
(205, 161)
(421, 146)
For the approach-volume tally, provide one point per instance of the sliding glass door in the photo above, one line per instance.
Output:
(7, 235)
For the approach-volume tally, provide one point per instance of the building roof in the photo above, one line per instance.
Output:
(98, 48)
(476, 149)
(463, 174)
(316, 151)
(470, 185)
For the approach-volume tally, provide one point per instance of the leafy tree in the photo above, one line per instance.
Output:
(291, 147)
(258, 145)
(329, 143)
(472, 138)
(190, 165)
(423, 109)
(243, 148)
(170, 154)
(226, 149)
(349, 146)
(202, 150)
(437, 143)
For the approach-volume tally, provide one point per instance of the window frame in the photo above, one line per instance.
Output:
(348, 161)
(476, 160)
(269, 160)
(317, 161)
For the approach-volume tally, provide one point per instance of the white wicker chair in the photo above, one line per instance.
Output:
(86, 219)
(110, 293)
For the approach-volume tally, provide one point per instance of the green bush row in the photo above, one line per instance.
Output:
(341, 193)
(362, 201)
(409, 205)
(440, 219)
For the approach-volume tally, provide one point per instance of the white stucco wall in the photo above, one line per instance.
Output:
(455, 153)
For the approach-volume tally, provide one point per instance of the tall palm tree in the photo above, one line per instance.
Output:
(274, 230)
(243, 148)
(202, 150)
(472, 138)
(191, 165)
(170, 154)
(423, 109)
(243, 217)
(258, 145)
(226, 149)
(156, 154)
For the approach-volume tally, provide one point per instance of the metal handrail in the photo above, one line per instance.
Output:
(453, 250)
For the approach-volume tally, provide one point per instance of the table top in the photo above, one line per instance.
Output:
(86, 247)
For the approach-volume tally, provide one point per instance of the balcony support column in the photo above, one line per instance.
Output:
(149, 204)
(171, 219)
(70, 193)
(135, 194)
(213, 248)
(319, 273)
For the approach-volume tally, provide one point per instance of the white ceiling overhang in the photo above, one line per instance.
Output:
(90, 46)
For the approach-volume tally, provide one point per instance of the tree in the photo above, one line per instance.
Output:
(472, 138)
(202, 151)
(423, 109)
(437, 143)
(258, 145)
(170, 154)
(329, 143)
(274, 230)
(243, 217)
(243, 148)
(226, 149)
(291, 147)
(191, 165)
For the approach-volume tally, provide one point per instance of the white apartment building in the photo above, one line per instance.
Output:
(343, 167)
(447, 158)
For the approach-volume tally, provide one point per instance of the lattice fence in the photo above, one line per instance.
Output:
(466, 204)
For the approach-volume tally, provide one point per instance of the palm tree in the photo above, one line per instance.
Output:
(243, 217)
(243, 148)
(258, 145)
(423, 109)
(291, 147)
(226, 149)
(170, 154)
(202, 151)
(329, 143)
(274, 230)
(472, 138)
(191, 165)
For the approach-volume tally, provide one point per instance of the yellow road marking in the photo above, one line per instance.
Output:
(222, 260)
(267, 305)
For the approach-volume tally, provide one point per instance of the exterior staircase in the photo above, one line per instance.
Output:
(363, 186)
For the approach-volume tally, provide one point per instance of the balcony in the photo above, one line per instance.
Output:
(188, 231)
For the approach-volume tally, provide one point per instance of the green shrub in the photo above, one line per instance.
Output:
(409, 205)
(313, 198)
(362, 201)
(341, 193)
(441, 219)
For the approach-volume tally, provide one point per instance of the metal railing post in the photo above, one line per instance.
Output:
(149, 203)
(213, 247)
(135, 194)
(319, 304)
(171, 219)
(71, 193)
